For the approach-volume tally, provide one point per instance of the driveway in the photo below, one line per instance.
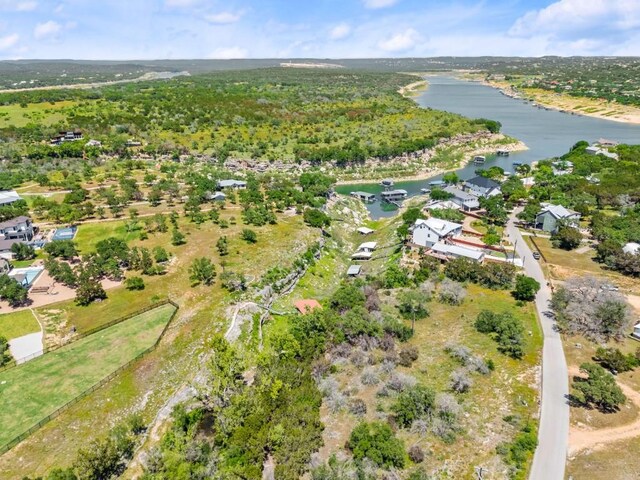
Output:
(553, 436)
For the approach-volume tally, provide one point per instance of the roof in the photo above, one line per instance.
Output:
(458, 251)
(9, 196)
(368, 246)
(14, 222)
(483, 182)
(231, 183)
(363, 194)
(5, 245)
(306, 306)
(441, 227)
(558, 211)
(631, 247)
(362, 255)
(456, 192)
(394, 192)
(365, 230)
(441, 204)
(354, 270)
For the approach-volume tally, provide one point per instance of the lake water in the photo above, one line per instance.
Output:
(547, 133)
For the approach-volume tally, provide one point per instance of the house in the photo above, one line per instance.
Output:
(365, 251)
(550, 215)
(19, 228)
(597, 150)
(427, 233)
(481, 187)
(457, 251)
(67, 136)
(441, 205)
(307, 306)
(364, 196)
(464, 200)
(365, 231)
(5, 248)
(7, 197)
(632, 248)
(133, 143)
(233, 184)
(354, 270)
(562, 167)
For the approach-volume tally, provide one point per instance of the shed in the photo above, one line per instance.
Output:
(307, 306)
(365, 231)
(354, 270)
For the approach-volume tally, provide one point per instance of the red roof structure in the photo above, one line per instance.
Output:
(307, 306)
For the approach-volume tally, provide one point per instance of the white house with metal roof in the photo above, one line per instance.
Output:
(457, 251)
(426, 233)
(234, 184)
(550, 215)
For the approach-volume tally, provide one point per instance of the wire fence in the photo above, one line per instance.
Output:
(9, 445)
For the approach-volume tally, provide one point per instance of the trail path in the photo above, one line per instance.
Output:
(581, 439)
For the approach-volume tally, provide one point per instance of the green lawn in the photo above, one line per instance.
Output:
(32, 391)
(17, 324)
(91, 233)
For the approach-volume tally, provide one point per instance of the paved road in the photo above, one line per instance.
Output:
(553, 436)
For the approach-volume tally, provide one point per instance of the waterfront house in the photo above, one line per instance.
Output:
(7, 197)
(19, 228)
(597, 150)
(551, 215)
(426, 233)
(464, 200)
(457, 251)
(481, 187)
(232, 184)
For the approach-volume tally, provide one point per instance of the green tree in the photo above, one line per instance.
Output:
(377, 442)
(22, 251)
(177, 238)
(202, 270)
(5, 354)
(526, 288)
(316, 218)
(12, 292)
(567, 238)
(223, 246)
(412, 305)
(61, 249)
(134, 283)
(412, 404)
(249, 236)
(599, 388)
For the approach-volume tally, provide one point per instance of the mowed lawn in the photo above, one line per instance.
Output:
(32, 391)
(17, 324)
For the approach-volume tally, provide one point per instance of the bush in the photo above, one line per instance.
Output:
(416, 454)
(413, 404)
(599, 388)
(526, 288)
(460, 381)
(377, 442)
(5, 353)
(358, 407)
(408, 356)
(451, 293)
(507, 330)
(567, 238)
(134, 283)
(249, 236)
(615, 361)
(316, 218)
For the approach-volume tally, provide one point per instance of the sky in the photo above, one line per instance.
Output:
(174, 29)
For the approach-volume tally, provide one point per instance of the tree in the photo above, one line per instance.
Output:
(22, 251)
(134, 283)
(89, 289)
(316, 218)
(61, 249)
(202, 270)
(5, 354)
(412, 304)
(412, 404)
(452, 293)
(530, 212)
(160, 255)
(566, 237)
(177, 238)
(526, 288)
(506, 330)
(249, 236)
(395, 277)
(599, 388)
(615, 361)
(377, 442)
(451, 177)
(223, 246)
(12, 292)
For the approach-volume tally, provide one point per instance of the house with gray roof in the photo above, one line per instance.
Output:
(464, 200)
(19, 228)
(233, 184)
(426, 233)
(551, 215)
(481, 187)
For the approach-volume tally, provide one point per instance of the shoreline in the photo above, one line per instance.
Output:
(628, 118)
(413, 89)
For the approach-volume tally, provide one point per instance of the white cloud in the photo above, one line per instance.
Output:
(568, 17)
(46, 29)
(223, 18)
(401, 42)
(227, 53)
(9, 41)
(181, 3)
(23, 6)
(340, 31)
(375, 4)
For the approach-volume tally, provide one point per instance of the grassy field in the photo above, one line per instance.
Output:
(90, 234)
(39, 113)
(617, 461)
(17, 324)
(34, 390)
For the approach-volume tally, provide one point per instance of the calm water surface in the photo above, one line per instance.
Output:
(547, 133)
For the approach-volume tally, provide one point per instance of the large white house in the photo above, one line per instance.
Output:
(550, 215)
(427, 233)
(464, 200)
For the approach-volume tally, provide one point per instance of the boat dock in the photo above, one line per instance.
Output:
(364, 196)
(393, 196)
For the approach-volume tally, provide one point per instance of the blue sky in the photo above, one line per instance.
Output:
(151, 29)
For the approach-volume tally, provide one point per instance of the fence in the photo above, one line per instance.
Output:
(8, 446)
(18, 361)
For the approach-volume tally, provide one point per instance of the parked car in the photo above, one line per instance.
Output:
(536, 255)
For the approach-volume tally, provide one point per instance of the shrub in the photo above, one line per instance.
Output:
(451, 293)
(249, 236)
(370, 376)
(460, 381)
(414, 403)
(377, 442)
(526, 288)
(599, 388)
(615, 361)
(416, 454)
(567, 238)
(134, 283)
(507, 330)
(408, 356)
(358, 407)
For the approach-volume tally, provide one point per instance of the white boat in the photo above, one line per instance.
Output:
(479, 159)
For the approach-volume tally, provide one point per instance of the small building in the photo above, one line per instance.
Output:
(307, 306)
(457, 251)
(354, 270)
(362, 256)
(367, 247)
(387, 183)
(232, 184)
(562, 167)
(597, 150)
(548, 218)
(19, 228)
(394, 195)
(215, 197)
(632, 248)
(441, 205)
(364, 196)
(67, 136)
(7, 197)
(426, 233)
(603, 142)
(464, 200)
(365, 231)
(636, 331)
(482, 187)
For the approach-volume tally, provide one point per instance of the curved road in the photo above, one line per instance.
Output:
(553, 435)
